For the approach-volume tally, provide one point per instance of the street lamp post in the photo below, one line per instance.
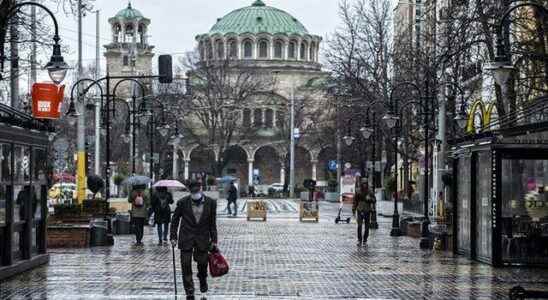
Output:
(57, 68)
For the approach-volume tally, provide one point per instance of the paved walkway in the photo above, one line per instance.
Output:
(279, 259)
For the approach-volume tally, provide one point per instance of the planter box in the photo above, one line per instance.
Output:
(309, 211)
(68, 236)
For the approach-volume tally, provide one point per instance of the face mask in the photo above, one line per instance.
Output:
(196, 196)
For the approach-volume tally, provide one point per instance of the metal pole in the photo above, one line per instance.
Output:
(292, 147)
(150, 159)
(33, 49)
(107, 140)
(133, 112)
(81, 170)
(339, 149)
(14, 65)
(425, 235)
(98, 101)
(396, 231)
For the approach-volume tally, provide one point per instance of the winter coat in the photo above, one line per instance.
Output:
(232, 193)
(160, 203)
(364, 202)
(192, 233)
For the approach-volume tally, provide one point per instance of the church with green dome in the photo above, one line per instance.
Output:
(260, 32)
(270, 43)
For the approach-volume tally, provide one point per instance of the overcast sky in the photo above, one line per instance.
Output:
(175, 23)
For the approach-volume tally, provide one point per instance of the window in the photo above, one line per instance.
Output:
(263, 49)
(278, 49)
(233, 49)
(269, 118)
(220, 49)
(247, 118)
(5, 180)
(126, 60)
(280, 119)
(303, 51)
(209, 50)
(258, 117)
(311, 56)
(292, 48)
(248, 49)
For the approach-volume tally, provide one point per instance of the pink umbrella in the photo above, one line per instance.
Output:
(174, 184)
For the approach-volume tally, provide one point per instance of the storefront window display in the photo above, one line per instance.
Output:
(524, 211)
(5, 180)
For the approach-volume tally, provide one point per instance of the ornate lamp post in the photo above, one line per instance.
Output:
(57, 68)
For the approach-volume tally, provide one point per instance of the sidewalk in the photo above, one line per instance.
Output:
(279, 259)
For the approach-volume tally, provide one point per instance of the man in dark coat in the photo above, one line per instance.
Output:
(364, 202)
(232, 198)
(197, 234)
(161, 201)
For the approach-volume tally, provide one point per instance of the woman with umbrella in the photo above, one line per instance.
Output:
(139, 202)
(161, 201)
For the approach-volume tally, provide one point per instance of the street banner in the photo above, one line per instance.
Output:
(46, 100)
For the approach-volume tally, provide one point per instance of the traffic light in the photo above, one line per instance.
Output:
(165, 70)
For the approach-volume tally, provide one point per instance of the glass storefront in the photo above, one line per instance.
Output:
(5, 180)
(524, 211)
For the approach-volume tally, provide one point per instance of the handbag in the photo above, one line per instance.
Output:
(218, 266)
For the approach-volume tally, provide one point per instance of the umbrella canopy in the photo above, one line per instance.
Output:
(137, 180)
(174, 184)
(228, 178)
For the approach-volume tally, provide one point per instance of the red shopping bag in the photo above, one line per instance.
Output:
(218, 266)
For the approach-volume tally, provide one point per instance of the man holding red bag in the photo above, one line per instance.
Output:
(197, 234)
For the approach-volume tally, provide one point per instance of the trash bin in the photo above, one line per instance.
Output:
(122, 224)
(99, 229)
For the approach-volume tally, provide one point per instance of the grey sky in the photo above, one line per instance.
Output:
(175, 23)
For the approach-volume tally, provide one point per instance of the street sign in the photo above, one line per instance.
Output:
(332, 165)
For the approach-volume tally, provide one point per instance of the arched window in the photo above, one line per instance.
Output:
(292, 48)
(269, 118)
(263, 49)
(312, 56)
(278, 49)
(248, 49)
(220, 49)
(303, 51)
(246, 117)
(233, 49)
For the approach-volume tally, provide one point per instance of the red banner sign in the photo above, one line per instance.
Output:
(46, 100)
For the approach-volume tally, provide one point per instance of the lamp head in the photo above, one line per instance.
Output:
(348, 140)
(57, 67)
(164, 130)
(461, 119)
(366, 132)
(391, 120)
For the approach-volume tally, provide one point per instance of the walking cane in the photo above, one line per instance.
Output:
(174, 269)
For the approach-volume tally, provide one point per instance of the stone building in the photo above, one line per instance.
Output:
(272, 43)
(129, 53)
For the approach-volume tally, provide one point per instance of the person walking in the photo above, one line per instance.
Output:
(361, 209)
(160, 203)
(139, 202)
(197, 216)
(232, 199)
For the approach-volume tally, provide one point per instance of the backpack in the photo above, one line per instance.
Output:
(164, 203)
(139, 201)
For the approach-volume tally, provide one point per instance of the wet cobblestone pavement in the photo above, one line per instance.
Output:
(279, 259)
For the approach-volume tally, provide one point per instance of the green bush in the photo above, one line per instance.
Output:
(67, 210)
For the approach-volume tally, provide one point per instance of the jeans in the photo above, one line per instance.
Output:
(363, 219)
(200, 257)
(162, 231)
(138, 224)
(235, 202)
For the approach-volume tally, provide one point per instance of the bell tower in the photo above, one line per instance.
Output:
(129, 52)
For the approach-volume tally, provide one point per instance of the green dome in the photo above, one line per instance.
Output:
(129, 13)
(258, 18)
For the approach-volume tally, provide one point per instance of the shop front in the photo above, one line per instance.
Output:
(23, 192)
(500, 197)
